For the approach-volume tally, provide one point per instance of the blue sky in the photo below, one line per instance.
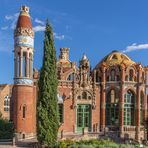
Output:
(93, 27)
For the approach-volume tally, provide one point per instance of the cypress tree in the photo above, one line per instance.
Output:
(47, 109)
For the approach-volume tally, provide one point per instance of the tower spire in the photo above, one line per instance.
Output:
(24, 47)
(24, 20)
(23, 91)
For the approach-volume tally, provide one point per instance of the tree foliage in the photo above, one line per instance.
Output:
(6, 128)
(47, 110)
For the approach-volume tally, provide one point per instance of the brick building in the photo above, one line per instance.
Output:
(109, 98)
(5, 97)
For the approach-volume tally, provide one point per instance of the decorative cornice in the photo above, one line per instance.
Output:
(24, 31)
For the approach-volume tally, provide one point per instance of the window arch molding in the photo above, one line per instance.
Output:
(131, 89)
(84, 95)
(112, 88)
(21, 106)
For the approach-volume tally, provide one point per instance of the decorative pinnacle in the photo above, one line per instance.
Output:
(24, 9)
(84, 57)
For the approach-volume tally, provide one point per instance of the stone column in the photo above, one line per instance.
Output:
(27, 64)
(145, 113)
(137, 109)
(103, 104)
(31, 63)
(16, 65)
(145, 106)
(121, 105)
(21, 64)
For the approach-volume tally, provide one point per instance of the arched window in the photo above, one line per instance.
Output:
(131, 74)
(6, 103)
(84, 95)
(129, 99)
(126, 78)
(112, 108)
(141, 107)
(24, 111)
(71, 77)
(113, 75)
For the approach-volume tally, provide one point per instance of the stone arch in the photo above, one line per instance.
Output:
(131, 89)
(112, 87)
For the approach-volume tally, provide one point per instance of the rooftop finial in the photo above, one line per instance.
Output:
(84, 57)
(24, 9)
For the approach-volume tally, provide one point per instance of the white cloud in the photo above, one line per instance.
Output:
(13, 18)
(59, 37)
(8, 17)
(39, 21)
(4, 28)
(134, 47)
(38, 28)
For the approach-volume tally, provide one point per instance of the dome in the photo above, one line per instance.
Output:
(116, 58)
(24, 20)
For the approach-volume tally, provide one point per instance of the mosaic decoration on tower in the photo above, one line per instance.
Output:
(24, 41)
(23, 81)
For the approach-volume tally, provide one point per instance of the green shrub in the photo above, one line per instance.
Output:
(93, 143)
(6, 129)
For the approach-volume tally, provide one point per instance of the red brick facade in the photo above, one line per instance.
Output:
(111, 98)
(24, 91)
(24, 97)
(5, 97)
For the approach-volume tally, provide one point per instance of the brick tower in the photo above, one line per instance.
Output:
(24, 102)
